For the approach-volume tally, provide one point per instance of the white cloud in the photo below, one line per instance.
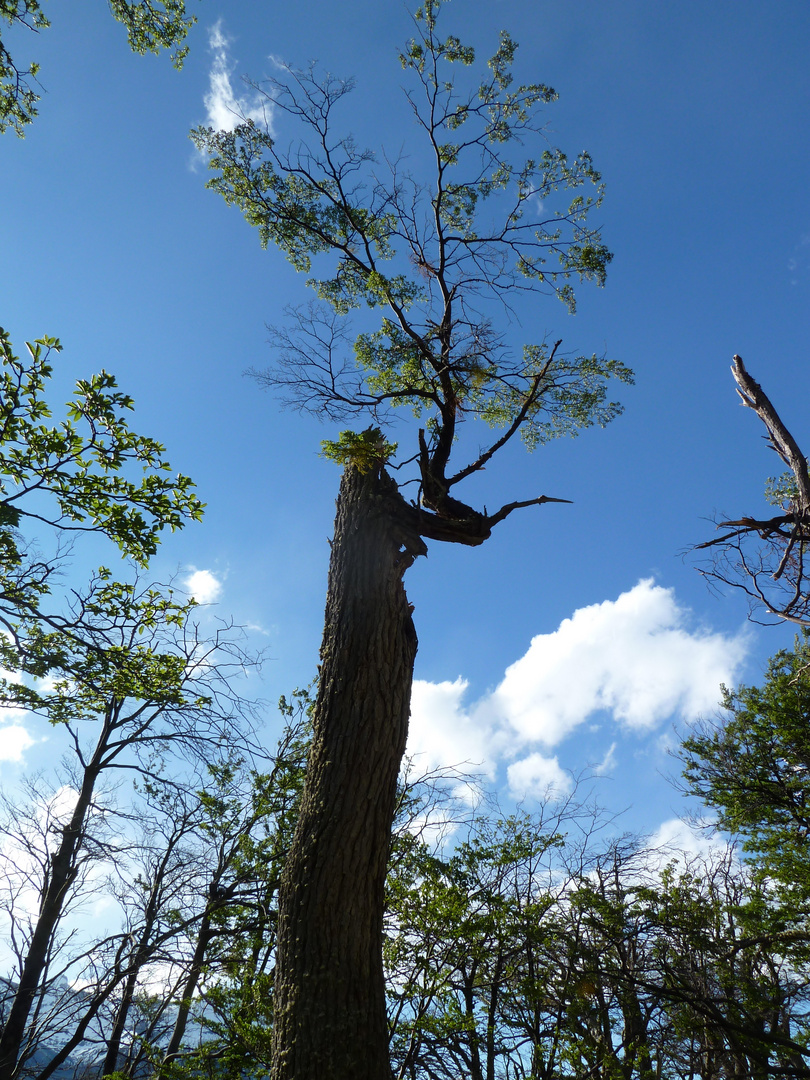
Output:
(442, 734)
(676, 834)
(14, 741)
(203, 586)
(685, 843)
(224, 109)
(634, 658)
(538, 777)
(607, 763)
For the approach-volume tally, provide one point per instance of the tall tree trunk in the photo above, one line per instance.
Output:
(329, 1003)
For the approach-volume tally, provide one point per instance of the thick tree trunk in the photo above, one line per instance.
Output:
(329, 1003)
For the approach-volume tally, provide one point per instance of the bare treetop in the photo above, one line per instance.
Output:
(766, 558)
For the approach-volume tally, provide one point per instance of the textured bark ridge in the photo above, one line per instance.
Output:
(329, 1002)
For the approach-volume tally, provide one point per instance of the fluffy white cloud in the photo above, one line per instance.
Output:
(539, 777)
(634, 658)
(203, 586)
(442, 733)
(14, 741)
(224, 109)
(684, 843)
(689, 838)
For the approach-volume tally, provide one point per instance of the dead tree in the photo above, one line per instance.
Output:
(767, 558)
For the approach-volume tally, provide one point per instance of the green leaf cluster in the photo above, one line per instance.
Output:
(753, 769)
(365, 451)
(81, 464)
(571, 395)
(151, 25)
(117, 653)
(782, 491)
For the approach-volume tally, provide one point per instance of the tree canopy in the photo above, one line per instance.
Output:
(439, 253)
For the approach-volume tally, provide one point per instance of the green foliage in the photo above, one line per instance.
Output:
(753, 768)
(782, 491)
(571, 396)
(91, 473)
(151, 26)
(430, 253)
(364, 451)
(154, 26)
(86, 675)
(17, 97)
(81, 463)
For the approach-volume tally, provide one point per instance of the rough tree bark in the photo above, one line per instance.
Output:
(329, 1006)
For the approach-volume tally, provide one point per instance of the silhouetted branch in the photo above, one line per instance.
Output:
(771, 568)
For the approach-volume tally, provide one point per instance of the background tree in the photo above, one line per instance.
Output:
(752, 767)
(150, 27)
(133, 686)
(438, 257)
(733, 984)
(124, 657)
(234, 1004)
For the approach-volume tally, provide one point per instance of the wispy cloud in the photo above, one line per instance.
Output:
(224, 108)
(204, 586)
(634, 661)
(608, 762)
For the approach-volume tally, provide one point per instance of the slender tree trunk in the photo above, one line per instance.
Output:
(204, 937)
(136, 962)
(61, 873)
(329, 1003)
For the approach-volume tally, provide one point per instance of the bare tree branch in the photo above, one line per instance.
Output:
(765, 557)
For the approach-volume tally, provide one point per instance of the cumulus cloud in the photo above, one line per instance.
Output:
(634, 661)
(539, 777)
(225, 110)
(634, 657)
(682, 843)
(14, 741)
(442, 733)
(203, 586)
(692, 838)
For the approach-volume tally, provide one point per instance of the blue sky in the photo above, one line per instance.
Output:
(578, 634)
